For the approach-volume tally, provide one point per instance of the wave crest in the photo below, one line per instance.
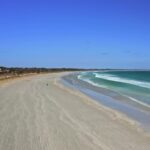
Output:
(122, 80)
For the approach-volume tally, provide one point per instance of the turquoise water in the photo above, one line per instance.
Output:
(135, 85)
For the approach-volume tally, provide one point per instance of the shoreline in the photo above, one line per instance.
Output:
(40, 112)
(133, 111)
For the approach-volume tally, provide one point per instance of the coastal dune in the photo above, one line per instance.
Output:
(39, 113)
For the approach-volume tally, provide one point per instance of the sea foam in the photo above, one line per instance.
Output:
(123, 80)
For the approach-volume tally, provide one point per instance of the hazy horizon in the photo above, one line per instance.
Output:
(75, 34)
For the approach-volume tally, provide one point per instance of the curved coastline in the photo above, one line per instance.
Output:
(135, 111)
(39, 112)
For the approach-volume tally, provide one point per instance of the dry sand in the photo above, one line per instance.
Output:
(37, 116)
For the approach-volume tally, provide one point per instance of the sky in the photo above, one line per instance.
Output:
(75, 33)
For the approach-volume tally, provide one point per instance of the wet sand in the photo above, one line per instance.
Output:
(114, 100)
(39, 113)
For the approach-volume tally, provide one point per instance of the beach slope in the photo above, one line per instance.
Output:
(38, 113)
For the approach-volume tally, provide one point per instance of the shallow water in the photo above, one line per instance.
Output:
(121, 102)
(133, 84)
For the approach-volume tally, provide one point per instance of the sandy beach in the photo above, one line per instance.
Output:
(39, 113)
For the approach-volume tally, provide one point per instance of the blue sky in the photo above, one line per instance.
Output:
(75, 33)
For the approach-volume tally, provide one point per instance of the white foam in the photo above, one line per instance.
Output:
(137, 101)
(80, 77)
(122, 80)
(97, 85)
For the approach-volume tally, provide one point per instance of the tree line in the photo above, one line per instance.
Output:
(19, 71)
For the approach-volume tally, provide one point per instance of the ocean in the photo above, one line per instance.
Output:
(135, 85)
